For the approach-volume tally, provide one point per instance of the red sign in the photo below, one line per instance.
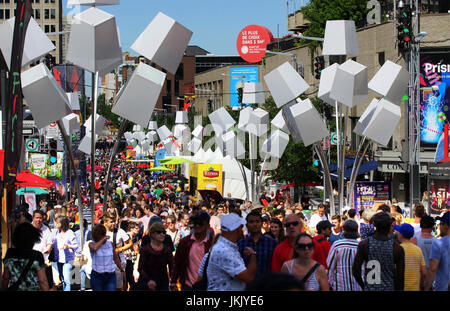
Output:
(53, 124)
(252, 43)
(211, 174)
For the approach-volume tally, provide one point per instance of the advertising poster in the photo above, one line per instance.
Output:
(371, 194)
(38, 164)
(207, 176)
(434, 96)
(239, 76)
(30, 198)
(439, 195)
(54, 172)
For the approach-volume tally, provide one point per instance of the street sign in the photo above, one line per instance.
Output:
(32, 144)
(27, 131)
(334, 138)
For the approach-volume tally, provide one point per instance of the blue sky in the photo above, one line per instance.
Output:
(215, 23)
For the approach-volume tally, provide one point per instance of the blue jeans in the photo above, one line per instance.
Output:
(83, 276)
(103, 281)
(65, 271)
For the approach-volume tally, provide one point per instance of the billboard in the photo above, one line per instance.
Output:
(434, 96)
(371, 194)
(240, 75)
(38, 165)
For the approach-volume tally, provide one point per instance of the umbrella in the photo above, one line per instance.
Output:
(28, 179)
(160, 169)
(175, 160)
(36, 190)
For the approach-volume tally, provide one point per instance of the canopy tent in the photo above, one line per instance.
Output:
(175, 160)
(28, 179)
(36, 190)
(160, 169)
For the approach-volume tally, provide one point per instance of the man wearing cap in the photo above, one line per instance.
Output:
(415, 270)
(262, 244)
(439, 267)
(226, 269)
(321, 244)
(382, 257)
(340, 259)
(285, 250)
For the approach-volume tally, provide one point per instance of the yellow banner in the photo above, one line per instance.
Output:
(209, 177)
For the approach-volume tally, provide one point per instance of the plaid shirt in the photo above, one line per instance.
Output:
(264, 249)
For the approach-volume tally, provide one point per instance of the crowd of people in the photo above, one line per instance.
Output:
(156, 235)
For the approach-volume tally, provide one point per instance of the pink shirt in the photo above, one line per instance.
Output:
(196, 255)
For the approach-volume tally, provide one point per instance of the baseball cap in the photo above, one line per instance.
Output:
(445, 218)
(406, 230)
(231, 222)
(324, 224)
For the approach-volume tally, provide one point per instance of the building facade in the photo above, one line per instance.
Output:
(48, 14)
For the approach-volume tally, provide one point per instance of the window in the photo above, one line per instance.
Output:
(37, 14)
(46, 13)
(2, 15)
(381, 58)
(169, 87)
(52, 13)
(179, 75)
(47, 28)
(7, 16)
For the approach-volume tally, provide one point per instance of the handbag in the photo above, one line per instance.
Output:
(15, 286)
(51, 255)
(203, 283)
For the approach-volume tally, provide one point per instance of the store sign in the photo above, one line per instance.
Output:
(211, 173)
(252, 43)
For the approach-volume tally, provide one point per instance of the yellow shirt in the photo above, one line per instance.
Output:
(413, 262)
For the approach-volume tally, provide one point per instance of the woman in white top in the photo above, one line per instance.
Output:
(312, 274)
(104, 261)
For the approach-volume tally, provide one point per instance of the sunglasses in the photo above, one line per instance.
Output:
(304, 246)
(159, 232)
(288, 224)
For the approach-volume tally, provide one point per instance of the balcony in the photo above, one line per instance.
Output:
(296, 22)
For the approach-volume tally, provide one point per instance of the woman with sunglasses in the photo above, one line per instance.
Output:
(154, 259)
(312, 274)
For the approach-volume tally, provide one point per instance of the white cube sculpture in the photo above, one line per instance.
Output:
(94, 42)
(169, 145)
(233, 146)
(290, 121)
(145, 145)
(139, 136)
(46, 98)
(92, 2)
(99, 124)
(128, 135)
(253, 93)
(74, 101)
(391, 82)
(285, 84)
(164, 133)
(180, 131)
(181, 117)
(137, 99)
(366, 117)
(259, 122)
(350, 84)
(152, 125)
(152, 136)
(326, 83)
(37, 43)
(137, 128)
(133, 143)
(221, 120)
(198, 132)
(244, 118)
(164, 42)
(86, 143)
(308, 123)
(280, 123)
(383, 122)
(340, 38)
(71, 123)
(194, 145)
(276, 143)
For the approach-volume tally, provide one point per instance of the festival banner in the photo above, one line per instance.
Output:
(370, 195)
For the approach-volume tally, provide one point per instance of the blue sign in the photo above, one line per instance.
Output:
(241, 75)
(160, 154)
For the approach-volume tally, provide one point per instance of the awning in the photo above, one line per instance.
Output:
(27, 179)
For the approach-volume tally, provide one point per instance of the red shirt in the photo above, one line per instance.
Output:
(283, 252)
(321, 250)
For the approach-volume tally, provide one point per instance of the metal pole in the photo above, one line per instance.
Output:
(93, 116)
(252, 165)
(351, 186)
(244, 176)
(341, 166)
(326, 176)
(75, 173)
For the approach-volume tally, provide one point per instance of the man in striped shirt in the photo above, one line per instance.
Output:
(340, 259)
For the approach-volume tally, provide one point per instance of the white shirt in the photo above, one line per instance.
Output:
(121, 238)
(87, 253)
(315, 219)
(224, 264)
(46, 240)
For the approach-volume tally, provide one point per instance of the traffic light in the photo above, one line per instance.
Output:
(240, 94)
(319, 65)
(52, 151)
(404, 28)
(316, 161)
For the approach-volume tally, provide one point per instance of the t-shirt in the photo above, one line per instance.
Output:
(16, 260)
(46, 240)
(321, 250)
(425, 245)
(413, 263)
(417, 228)
(440, 250)
(121, 238)
(334, 237)
(315, 219)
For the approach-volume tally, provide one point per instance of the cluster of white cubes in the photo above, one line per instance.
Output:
(253, 93)
(164, 133)
(350, 84)
(233, 146)
(221, 120)
(391, 82)
(276, 144)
